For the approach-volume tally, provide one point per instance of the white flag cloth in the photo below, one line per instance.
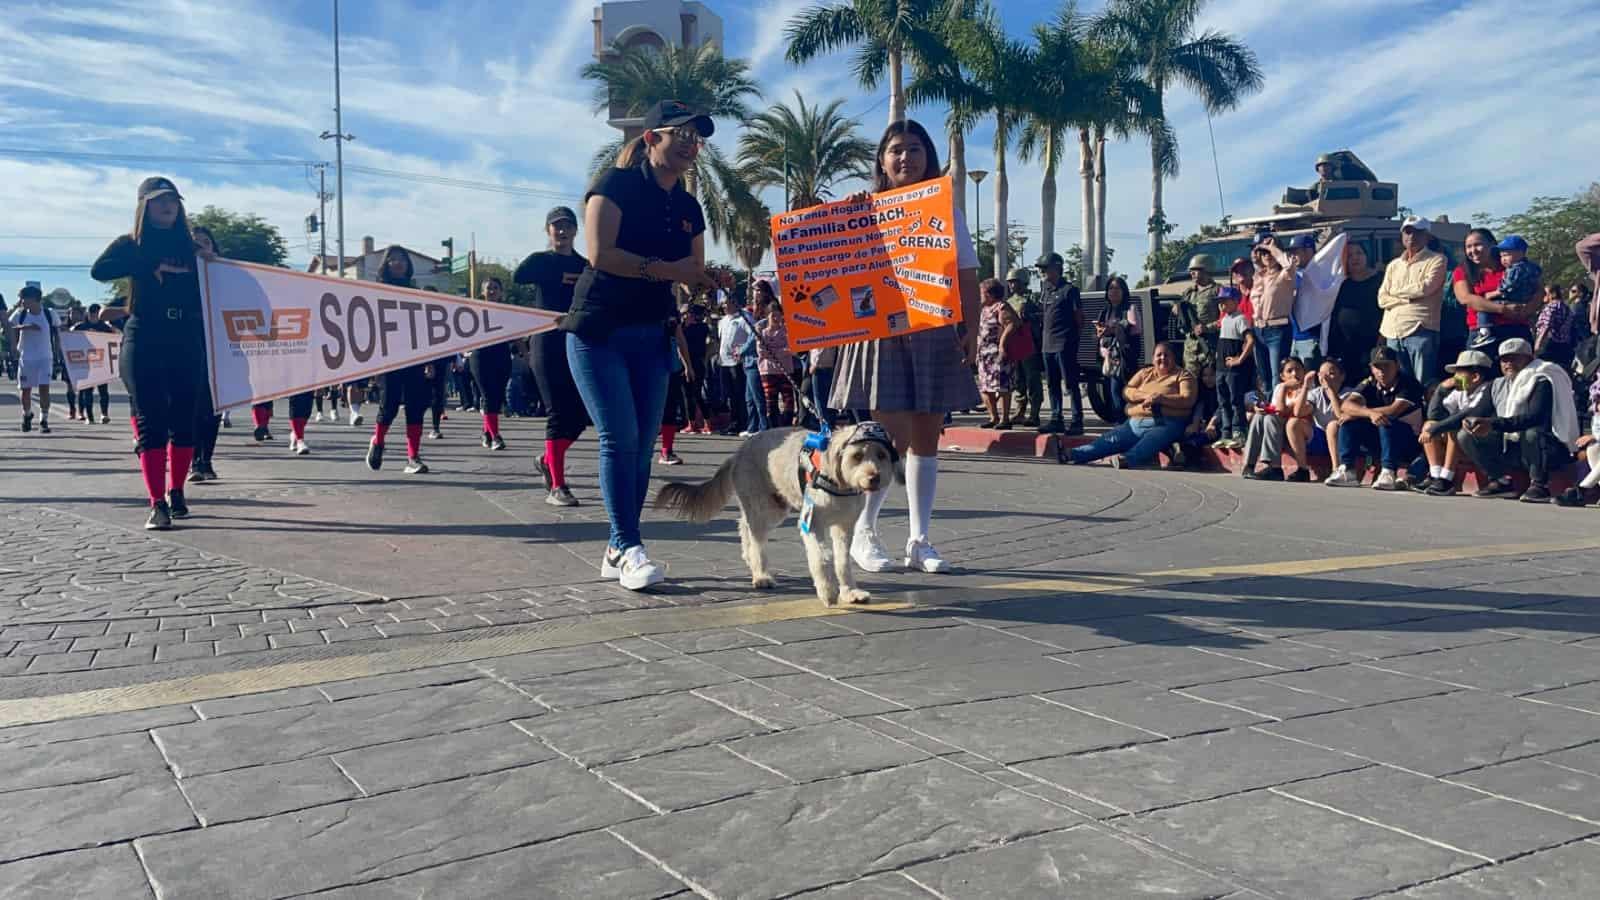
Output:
(276, 332)
(93, 357)
(1319, 286)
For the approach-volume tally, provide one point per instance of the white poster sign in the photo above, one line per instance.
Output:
(277, 332)
(93, 357)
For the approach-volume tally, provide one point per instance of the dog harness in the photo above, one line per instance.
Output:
(811, 472)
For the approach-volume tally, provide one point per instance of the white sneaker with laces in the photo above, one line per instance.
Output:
(1342, 477)
(610, 563)
(301, 448)
(922, 557)
(638, 572)
(1385, 481)
(867, 549)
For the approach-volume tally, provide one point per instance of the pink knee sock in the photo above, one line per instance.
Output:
(297, 428)
(153, 466)
(491, 424)
(555, 456)
(380, 432)
(180, 458)
(413, 440)
(669, 433)
(260, 415)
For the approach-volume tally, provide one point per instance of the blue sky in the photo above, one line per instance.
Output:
(1470, 105)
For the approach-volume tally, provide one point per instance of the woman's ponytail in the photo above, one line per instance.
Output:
(632, 153)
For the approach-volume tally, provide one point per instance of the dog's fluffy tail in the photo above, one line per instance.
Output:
(698, 502)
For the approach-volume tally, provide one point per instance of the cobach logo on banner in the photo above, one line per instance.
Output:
(245, 326)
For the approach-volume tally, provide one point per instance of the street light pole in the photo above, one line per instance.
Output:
(977, 176)
(338, 136)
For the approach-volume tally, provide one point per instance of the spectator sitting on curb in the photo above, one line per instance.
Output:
(1160, 398)
(1324, 398)
(1534, 427)
(1464, 395)
(1589, 445)
(1271, 422)
(1379, 418)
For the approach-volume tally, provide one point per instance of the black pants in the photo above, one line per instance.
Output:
(86, 400)
(163, 385)
(1536, 451)
(1058, 366)
(404, 387)
(465, 394)
(436, 386)
(732, 378)
(672, 412)
(300, 406)
(206, 425)
(694, 396)
(491, 372)
(566, 417)
(1232, 385)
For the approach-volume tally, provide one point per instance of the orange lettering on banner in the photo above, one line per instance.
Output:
(850, 272)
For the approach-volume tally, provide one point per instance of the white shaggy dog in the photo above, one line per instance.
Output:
(772, 475)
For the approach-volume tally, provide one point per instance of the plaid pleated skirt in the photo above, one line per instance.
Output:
(919, 372)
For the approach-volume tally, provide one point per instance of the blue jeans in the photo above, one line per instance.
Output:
(1419, 353)
(1059, 366)
(623, 382)
(1137, 439)
(1272, 348)
(1395, 444)
(755, 403)
(1115, 387)
(1306, 350)
(821, 384)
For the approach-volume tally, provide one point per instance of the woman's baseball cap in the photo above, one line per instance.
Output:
(672, 113)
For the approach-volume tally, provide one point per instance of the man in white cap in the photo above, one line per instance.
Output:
(1465, 394)
(1411, 296)
(1534, 426)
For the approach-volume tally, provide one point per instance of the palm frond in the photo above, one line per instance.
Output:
(822, 29)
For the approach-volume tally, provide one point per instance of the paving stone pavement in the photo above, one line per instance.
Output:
(1060, 720)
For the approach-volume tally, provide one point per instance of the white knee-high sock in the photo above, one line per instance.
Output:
(922, 479)
(868, 520)
(1593, 478)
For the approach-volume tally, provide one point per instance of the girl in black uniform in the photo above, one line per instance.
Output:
(163, 346)
(553, 274)
(406, 387)
(491, 371)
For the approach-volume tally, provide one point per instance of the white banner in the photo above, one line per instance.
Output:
(276, 332)
(93, 357)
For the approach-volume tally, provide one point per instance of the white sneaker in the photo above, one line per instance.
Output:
(866, 548)
(611, 563)
(1342, 477)
(637, 572)
(301, 449)
(1385, 480)
(316, 417)
(920, 556)
(745, 434)
(355, 418)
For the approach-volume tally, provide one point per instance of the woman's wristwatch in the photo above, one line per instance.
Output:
(644, 268)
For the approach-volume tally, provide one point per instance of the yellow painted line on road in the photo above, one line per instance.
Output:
(1302, 566)
(543, 636)
(635, 623)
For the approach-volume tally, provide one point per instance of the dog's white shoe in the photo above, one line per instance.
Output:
(868, 552)
(922, 557)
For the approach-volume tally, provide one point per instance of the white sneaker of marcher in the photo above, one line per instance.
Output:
(868, 552)
(638, 572)
(1385, 480)
(922, 557)
(1342, 477)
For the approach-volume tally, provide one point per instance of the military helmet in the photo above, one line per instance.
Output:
(1017, 275)
(1203, 261)
(1325, 158)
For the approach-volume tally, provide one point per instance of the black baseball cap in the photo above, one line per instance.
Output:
(156, 186)
(1382, 354)
(560, 214)
(672, 113)
(1048, 260)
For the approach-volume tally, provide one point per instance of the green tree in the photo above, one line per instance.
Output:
(817, 146)
(1221, 70)
(983, 240)
(1551, 226)
(517, 294)
(1175, 253)
(243, 236)
(637, 78)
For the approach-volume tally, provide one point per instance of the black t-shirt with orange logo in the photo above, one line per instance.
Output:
(553, 277)
(655, 222)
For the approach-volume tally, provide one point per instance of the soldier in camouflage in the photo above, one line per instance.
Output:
(1029, 400)
(1198, 316)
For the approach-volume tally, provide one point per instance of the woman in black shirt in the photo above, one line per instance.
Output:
(163, 345)
(1353, 328)
(646, 231)
(406, 387)
(553, 274)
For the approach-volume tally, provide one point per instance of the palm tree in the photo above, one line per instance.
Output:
(888, 35)
(993, 74)
(752, 238)
(804, 149)
(631, 80)
(1058, 103)
(1159, 34)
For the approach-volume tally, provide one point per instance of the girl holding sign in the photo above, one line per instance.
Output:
(163, 344)
(910, 382)
(407, 387)
(646, 231)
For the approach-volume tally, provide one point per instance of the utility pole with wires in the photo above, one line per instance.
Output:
(338, 136)
(322, 219)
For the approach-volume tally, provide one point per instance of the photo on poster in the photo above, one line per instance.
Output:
(861, 302)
